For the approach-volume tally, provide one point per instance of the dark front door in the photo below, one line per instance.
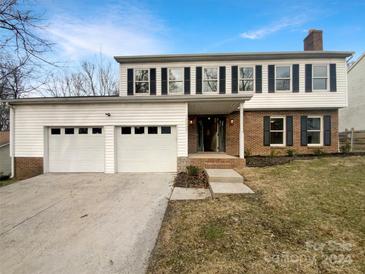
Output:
(211, 134)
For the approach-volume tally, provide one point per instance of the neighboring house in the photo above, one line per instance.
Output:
(354, 115)
(5, 160)
(188, 109)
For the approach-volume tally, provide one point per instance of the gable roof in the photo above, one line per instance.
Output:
(238, 56)
(357, 61)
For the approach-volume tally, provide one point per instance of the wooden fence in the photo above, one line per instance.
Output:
(352, 140)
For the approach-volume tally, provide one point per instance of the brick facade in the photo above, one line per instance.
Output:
(253, 129)
(4, 137)
(26, 167)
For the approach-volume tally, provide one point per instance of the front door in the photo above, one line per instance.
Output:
(211, 134)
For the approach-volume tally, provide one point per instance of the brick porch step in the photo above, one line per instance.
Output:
(217, 163)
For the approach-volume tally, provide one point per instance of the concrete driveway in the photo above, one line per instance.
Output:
(81, 223)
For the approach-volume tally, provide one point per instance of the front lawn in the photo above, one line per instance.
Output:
(307, 216)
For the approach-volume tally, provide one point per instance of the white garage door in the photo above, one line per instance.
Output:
(76, 149)
(146, 149)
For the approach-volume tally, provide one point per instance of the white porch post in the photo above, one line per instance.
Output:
(242, 137)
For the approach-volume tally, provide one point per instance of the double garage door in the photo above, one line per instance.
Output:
(137, 149)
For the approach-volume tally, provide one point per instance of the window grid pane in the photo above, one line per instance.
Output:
(139, 130)
(210, 74)
(176, 86)
(210, 86)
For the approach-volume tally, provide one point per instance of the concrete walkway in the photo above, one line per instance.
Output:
(183, 193)
(81, 223)
(226, 181)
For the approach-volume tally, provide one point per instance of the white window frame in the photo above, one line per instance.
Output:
(313, 77)
(183, 80)
(283, 130)
(316, 130)
(290, 78)
(205, 80)
(245, 79)
(135, 82)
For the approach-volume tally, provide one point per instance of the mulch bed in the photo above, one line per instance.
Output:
(262, 161)
(200, 180)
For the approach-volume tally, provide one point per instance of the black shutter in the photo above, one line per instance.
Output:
(199, 83)
(303, 130)
(258, 75)
(271, 77)
(222, 80)
(234, 79)
(130, 82)
(289, 130)
(164, 81)
(153, 81)
(333, 81)
(327, 130)
(187, 80)
(308, 78)
(266, 130)
(296, 78)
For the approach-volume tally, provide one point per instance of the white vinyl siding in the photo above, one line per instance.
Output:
(30, 121)
(264, 100)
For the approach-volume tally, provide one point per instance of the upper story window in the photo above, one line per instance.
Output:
(320, 77)
(210, 79)
(282, 78)
(314, 130)
(246, 79)
(142, 81)
(277, 131)
(176, 77)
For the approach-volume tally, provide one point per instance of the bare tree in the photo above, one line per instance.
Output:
(92, 79)
(22, 47)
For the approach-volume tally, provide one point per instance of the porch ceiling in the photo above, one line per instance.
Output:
(213, 107)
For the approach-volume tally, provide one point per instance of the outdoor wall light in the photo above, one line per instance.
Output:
(108, 114)
(231, 122)
(190, 122)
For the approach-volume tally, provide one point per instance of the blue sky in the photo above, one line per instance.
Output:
(81, 29)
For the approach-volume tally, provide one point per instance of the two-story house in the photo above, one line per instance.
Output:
(177, 110)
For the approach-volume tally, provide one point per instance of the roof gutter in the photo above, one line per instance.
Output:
(247, 56)
(130, 99)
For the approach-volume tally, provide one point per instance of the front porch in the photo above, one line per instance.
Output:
(215, 160)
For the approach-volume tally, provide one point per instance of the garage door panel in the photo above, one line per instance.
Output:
(147, 152)
(76, 152)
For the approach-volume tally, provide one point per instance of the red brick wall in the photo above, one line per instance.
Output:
(26, 167)
(4, 137)
(192, 135)
(253, 129)
(233, 134)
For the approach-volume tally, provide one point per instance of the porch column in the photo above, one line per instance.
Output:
(242, 137)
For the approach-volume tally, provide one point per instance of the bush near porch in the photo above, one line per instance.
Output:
(194, 177)
(306, 217)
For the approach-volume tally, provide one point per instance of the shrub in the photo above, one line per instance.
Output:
(318, 152)
(192, 170)
(273, 153)
(290, 152)
(247, 152)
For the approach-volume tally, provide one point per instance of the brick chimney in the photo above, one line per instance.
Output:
(314, 40)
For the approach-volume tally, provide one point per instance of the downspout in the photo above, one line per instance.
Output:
(12, 140)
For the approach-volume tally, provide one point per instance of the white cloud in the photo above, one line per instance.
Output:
(282, 24)
(119, 30)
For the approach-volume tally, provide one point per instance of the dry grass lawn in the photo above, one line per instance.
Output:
(305, 217)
